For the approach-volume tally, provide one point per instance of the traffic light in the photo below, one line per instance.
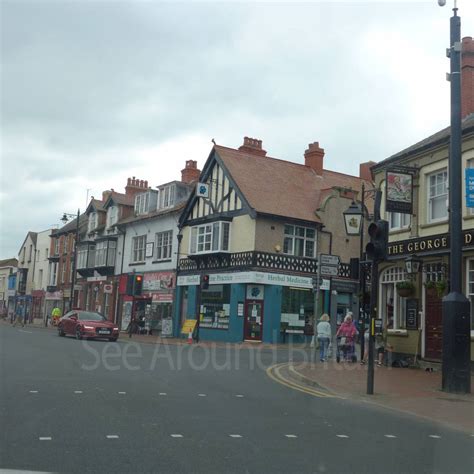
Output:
(376, 249)
(205, 282)
(134, 284)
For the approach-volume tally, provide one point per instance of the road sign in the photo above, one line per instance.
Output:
(332, 260)
(328, 270)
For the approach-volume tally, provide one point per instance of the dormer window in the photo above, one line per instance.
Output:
(93, 220)
(146, 202)
(112, 216)
(167, 196)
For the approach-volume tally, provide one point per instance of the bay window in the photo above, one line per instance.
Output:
(212, 237)
(299, 241)
(393, 306)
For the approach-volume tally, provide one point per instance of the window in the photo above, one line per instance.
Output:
(40, 279)
(111, 253)
(63, 272)
(56, 246)
(138, 248)
(215, 302)
(112, 216)
(299, 241)
(100, 253)
(164, 244)
(30, 253)
(141, 204)
(297, 308)
(167, 197)
(92, 221)
(470, 288)
(53, 271)
(82, 257)
(393, 307)
(210, 238)
(438, 196)
(398, 221)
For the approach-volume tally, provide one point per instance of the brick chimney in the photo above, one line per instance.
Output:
(190, 173)
(364, 170)
(106, 194)
(467, 77)
(135, 186)
(253, 147)
(313, 157)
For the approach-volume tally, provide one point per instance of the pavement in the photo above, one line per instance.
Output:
(98, 406)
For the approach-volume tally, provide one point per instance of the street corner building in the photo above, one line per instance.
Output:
(252, 230)
(415, 278)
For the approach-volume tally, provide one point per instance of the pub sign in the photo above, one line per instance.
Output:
(399, 192)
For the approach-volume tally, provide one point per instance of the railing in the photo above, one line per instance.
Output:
(249, 260)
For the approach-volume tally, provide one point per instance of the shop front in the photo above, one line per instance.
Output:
(52, 299)
(37, 306)
(98, 294)
(252, 306)
(411, 303)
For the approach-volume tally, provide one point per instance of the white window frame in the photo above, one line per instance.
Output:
(138, 248)
(82, 257)
(164, 245)
(112, 216)
(307, 242)
(101, 253)
(142, 203)
(403, 220)
(430, 197)
(210, 238)
(388, 281)
(92, 221)
(63, 272)
(166, 196)
(56, 246)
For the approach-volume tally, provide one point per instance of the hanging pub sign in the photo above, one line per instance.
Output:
(399, 192)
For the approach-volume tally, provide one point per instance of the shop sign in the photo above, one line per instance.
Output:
(11, 293)
(399, 192)
(412, 314)
(158, 281)
(469, 187)
(427, 244)
(162, 297)
(189, 280)
(344, 286)
(97, 278)
(55, 295)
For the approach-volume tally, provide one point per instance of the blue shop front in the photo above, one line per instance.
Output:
(247, 306)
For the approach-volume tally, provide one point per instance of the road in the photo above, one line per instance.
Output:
(93, 406)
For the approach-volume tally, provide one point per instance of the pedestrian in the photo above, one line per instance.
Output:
(380, 346)
(323, 330)
(19, 315)
(346, 337)
(55, 315)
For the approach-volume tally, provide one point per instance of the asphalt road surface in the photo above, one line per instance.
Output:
(93, 406)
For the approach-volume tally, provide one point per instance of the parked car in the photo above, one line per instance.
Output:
(88, 325)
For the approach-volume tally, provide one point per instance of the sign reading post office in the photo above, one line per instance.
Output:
(399, 192)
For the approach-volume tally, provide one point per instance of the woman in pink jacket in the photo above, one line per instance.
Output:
(346, 338)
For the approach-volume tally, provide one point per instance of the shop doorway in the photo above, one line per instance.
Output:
(253, 323)
(433, 326)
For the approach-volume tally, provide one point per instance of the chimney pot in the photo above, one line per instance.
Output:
(190, 173)
(314, 157)
(252, 146)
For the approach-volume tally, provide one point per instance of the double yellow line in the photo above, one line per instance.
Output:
(274, 372)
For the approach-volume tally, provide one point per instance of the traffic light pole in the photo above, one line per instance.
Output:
(373, 314)
(456, 375)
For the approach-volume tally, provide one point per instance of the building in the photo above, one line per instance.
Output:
(255, 227)
(148, 244)
(414, 322)
(7, 267)
(25, 272)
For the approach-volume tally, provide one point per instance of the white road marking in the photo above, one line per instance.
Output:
(239, 396)
(163, 394)
(291, 436)
(342, 436)
(202, 395)
(77, 391)
(45, 438)
(112, 436)
(176, 435)
(122, 393)
(33, 391)
(435, 436)
(27, 332)
(235, 436)
(390, 436)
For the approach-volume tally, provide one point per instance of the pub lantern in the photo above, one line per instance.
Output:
(412, 265)
(353, 219)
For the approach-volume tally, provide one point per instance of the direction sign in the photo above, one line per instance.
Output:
(328, 270)
(333, 260)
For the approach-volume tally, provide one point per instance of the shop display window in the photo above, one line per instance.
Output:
(215, 307)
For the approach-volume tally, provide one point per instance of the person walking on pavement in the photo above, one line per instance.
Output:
(323, 330)
(346, 338)
(19, 316)
(55, 315)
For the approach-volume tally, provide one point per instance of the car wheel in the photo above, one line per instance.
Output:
(61, 332)
(78, 333)
(113, 339)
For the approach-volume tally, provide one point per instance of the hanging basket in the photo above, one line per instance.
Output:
(405, 289)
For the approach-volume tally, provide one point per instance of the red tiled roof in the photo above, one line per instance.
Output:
(281, 188)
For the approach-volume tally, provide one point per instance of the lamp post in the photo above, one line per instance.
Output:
(65, 219)
(456, 308)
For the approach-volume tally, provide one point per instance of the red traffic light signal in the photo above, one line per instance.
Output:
(205, 282)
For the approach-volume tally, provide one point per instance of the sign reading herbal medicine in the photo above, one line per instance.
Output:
(399, 192)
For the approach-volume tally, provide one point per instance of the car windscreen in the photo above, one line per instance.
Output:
(90, 316)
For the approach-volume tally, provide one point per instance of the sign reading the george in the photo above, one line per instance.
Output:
(399, 192)
(329, 259)
(469, 187)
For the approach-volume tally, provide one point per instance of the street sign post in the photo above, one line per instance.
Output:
(333, 260)
(328, 270)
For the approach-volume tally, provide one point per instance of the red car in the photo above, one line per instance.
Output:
(88, 325)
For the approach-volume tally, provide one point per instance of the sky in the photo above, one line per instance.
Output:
(94, 92)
